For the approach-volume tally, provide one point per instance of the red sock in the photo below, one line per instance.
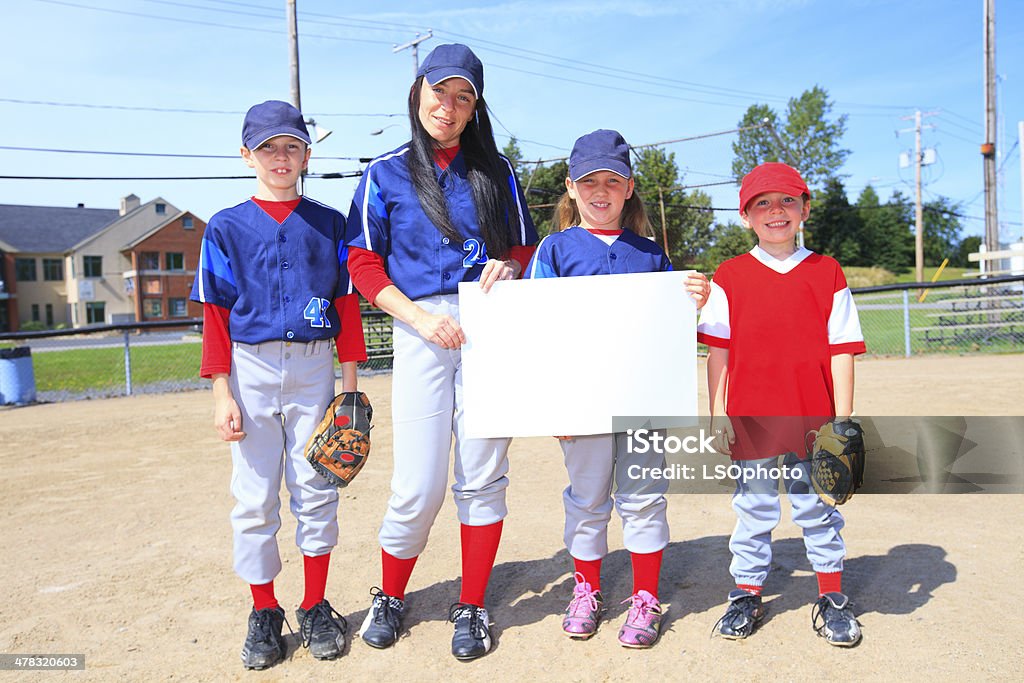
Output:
(830, 582)
(263, 596)
(753, 590)
(395, 573)
(315, 569)
(591, 570)
(646, 570)
(479, 548)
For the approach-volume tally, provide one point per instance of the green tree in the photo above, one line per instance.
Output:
(886, 240)
(807, 140)
(834, 228)
(514, 154)
(941, 231)
(688, 215)
(968, 245)
(543, 185)
(728, 240)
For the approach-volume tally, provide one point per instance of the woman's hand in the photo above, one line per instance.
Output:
(496, 269)
(442, 330)
(699, 288)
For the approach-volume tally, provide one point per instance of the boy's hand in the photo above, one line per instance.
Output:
(721, 427)
(227, 419)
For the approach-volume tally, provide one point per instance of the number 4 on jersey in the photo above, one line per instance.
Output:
(316, 312)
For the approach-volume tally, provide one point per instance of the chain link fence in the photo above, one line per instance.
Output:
(116, 360)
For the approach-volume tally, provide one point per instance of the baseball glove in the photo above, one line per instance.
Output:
(340, 444)
(837, 460)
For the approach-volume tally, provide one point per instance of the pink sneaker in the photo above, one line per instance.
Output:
(643, 622)
(583, 612)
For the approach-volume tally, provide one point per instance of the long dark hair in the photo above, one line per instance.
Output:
(488, 177)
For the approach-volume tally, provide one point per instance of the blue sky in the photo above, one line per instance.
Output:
(554, 69)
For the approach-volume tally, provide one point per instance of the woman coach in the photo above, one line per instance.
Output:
(441, 209)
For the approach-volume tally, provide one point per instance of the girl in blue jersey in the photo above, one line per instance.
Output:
(442, 209)
(603, 230)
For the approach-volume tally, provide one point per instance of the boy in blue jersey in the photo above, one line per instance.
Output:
(273, 281)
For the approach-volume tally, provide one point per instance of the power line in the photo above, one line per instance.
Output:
(205, 23)
(173, 110)
(326, 176)
(156, 154)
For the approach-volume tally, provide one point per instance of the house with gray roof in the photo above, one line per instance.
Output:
(72, 267)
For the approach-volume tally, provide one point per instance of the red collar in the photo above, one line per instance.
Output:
(443, 156)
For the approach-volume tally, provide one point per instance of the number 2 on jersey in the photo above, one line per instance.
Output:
(477, 253)
(316, 312)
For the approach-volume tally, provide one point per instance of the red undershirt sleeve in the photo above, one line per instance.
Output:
(216, 341)
(366, 269)
(522, 254)
(350, 342)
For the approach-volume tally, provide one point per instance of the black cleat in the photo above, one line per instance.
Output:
(832, 618)
(264, 645)
(745, 611)
(472, 636)
(322, 630)
(384, 620)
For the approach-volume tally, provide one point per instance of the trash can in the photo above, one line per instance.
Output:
(17, 379)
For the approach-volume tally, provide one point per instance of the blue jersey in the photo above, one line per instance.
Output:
(387, 219)
(278, 280)
(575, 251)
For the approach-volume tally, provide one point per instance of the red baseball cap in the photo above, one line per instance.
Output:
(771, 176)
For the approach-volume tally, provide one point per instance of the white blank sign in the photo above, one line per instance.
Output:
(562, 356)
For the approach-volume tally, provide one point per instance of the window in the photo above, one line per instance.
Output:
(151, 285)
(153, 308)
(149, 260)
(92, 266)
(53, 269)
(161, 209)
(95, 312)
(25, 269)
(178, 307)
(186, 222)
(35, 313)
(175, 260)
(49, 315)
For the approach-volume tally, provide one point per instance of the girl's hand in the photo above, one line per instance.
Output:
(699, 288)
(495, 270)
(442, 330)
(565, 438)
(721, 427)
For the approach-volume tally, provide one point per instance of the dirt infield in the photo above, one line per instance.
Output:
(118, 546)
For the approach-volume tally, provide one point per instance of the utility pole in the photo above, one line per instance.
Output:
(918, 205)
(293, 42)
(988, 148)
(415, 45)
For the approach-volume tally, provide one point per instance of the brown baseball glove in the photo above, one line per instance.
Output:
(837, 460)
(340, 444)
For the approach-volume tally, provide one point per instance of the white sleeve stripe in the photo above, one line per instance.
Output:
(714, 317)
(843, 321)
(519, 206)
(202, 275)
(366, 193)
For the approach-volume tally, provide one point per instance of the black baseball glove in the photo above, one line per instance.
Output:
(837, 460)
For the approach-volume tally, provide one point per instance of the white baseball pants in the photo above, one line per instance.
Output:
(282, 390)
(594, 463)
(426, 408)
(758, 511)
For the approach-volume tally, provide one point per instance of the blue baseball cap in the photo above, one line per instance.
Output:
(602, 150)
(451, 61)
(270, 119)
